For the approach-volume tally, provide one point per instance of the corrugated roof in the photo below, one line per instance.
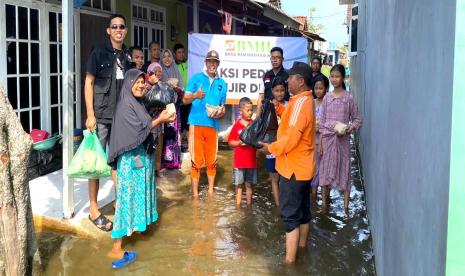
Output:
(312, 35)
(279, 11)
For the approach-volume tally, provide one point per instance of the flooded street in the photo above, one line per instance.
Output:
(210, 236)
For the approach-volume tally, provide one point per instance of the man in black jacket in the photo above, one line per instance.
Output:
(277, 70)
(104, 78)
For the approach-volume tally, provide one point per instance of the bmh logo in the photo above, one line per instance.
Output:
(254, 46)
(230, 46)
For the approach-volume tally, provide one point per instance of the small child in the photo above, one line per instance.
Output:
(244, 160)
(338, 108)
(278, 89)
(320, 88)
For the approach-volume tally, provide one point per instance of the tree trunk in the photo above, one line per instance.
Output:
(18, 247)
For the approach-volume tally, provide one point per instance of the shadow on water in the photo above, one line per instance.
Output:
(211, 236)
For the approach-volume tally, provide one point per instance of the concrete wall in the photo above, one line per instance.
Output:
(402, 78)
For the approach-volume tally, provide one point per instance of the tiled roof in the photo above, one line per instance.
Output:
(303, 22)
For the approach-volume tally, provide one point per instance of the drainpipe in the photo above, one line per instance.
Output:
(68, 109)
(195, 7)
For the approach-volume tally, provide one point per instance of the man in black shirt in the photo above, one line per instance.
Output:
(180, 58)
(104, 79)
(316, 71)
(154, 55)
(277, 70)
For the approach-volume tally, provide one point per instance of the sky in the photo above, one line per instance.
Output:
(328, 13)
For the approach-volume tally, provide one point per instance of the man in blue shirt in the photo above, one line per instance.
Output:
(207, 93)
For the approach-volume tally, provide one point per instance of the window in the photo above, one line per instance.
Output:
(56, 72)
(148, 24)
(23, 64)
(353, 31)
(33, 75)
(55, 58)
(99, 4)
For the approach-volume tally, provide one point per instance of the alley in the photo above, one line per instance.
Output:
(210, 236)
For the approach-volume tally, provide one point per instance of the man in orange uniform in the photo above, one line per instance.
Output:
(295, 158)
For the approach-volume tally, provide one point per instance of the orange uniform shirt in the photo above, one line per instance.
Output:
(295, 146)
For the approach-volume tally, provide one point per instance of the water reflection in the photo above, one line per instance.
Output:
(210, 236)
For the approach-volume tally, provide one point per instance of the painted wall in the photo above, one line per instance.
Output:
(176, 17)
(402, 78)
(455, 264)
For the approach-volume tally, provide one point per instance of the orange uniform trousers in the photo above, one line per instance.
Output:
(203, 147)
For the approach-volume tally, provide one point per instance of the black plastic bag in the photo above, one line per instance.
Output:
(158, 97)
(262, 129)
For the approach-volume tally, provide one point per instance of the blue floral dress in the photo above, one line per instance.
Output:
(135, 193)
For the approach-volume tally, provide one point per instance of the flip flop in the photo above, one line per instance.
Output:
(101, 223)
(128, 258)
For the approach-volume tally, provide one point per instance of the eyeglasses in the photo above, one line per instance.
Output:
(275, 58)
(151, 73)
(117, 26)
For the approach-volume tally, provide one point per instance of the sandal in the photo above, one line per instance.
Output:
(101, 223)
(128, 258)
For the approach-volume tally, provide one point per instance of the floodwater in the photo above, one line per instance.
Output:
(210, 236)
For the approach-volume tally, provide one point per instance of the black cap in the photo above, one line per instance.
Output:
(213, 55)
(303, 69)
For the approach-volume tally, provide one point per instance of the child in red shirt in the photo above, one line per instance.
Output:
(244, 160)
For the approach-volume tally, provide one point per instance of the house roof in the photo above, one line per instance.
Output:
(303, 22)
(277, 14)
(312, 35)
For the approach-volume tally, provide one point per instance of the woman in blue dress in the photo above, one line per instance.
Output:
(131, 152)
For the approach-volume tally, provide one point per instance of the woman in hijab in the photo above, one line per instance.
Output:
(131, 152)
(171, 73)
(155, 76)
(171, 156)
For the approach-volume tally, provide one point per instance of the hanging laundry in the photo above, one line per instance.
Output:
(227, 22)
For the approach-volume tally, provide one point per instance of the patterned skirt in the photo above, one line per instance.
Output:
(171, 156)
(136, 205)
(316, 180)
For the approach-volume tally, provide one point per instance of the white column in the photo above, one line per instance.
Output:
(68, 110)
(195, 15)
(77, 64)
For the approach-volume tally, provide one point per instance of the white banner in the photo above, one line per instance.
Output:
(244, 59)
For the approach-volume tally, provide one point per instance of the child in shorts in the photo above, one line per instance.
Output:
(278, 88)
(244, 156)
